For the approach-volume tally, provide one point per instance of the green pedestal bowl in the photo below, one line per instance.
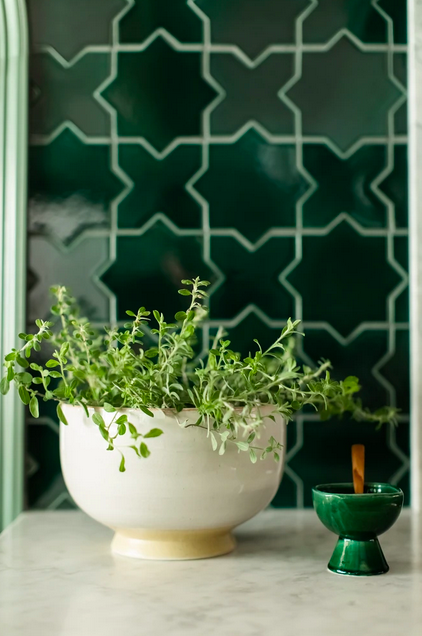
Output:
(358, 520)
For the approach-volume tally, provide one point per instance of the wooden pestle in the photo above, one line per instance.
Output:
(358, 465)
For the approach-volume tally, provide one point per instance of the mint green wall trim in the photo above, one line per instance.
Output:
(13, 160)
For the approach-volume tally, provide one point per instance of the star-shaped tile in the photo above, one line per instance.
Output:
(251, 94)
(344, 278)
(344, 186)
(358, 16)
(146, 16)
(252, 185)
(71, 186)
(251, 277)
(350, 83)
(396, 188)
(159, 94)
(159, 186)
(67, 94)
(152, 266)
(252, 25)
(74, 268)
(70, 26)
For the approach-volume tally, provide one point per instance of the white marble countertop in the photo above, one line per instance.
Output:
(58, 578)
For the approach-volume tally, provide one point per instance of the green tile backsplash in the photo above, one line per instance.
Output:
(261, 145)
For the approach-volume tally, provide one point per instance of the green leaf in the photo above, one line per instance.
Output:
(55, 374)
(24, 395)
(181, 315)
(276, 457)
(252, 455)
(104, 433)
(122, 465)
(10, 374)
(151, 353)
(222, 448)
(24, 377)
(22, 362)
(243, 446)
(186, 281)
(97, 419)
(154, 432)
(51, 364)
(121, 419)
(146, 411)
(61, 415)
(122, 429)
(4, 386)
(130, 313)
(213, 441)
(144, 450)
(133, 430)
(11, 356)
(33, 407)
(109, 408)
(185, 292)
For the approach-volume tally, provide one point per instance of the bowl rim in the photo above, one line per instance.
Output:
(321, 489)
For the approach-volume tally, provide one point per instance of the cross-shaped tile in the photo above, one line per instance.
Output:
(251, 94)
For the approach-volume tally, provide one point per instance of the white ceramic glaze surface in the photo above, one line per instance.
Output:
(58, 578)
(183, 486)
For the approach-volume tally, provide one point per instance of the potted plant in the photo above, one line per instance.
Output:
(195, 448)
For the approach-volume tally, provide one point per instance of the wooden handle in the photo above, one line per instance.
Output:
(358, 465)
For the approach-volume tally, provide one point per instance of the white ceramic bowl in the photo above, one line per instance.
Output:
(181, 502)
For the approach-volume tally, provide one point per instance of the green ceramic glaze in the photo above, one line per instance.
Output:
(358, 520)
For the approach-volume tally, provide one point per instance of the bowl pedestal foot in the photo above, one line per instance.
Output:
(178, 545)
(358, 558)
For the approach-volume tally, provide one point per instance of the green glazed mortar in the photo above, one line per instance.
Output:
(358, 520)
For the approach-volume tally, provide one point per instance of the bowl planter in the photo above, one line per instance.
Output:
(184, 500)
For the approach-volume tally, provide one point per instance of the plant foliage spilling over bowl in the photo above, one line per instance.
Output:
(113, 370)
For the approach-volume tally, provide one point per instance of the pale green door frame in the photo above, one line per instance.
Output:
(13, 166)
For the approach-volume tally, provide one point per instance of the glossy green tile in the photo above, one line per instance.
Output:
(339, 288)
(68, 178)
(67, 94)
(159, 94)
(252, 94)
(251, 278)
(75, 266)
(70, 25)
(159, 186)
(360, 17)
(44, 460)
(395, 186)
(350, 83)
(344, 185)
(397, 11)
(146, 16)
(358, 358)
(151, 266)
(397, 369)
(400, 72)
(250, 25)
(256, 177)
(401, 255)
(325, 455)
